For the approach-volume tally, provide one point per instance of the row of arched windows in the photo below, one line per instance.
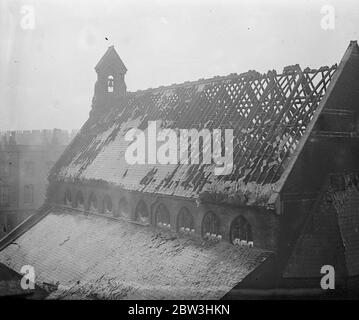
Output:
(106, 206)
(240, 231)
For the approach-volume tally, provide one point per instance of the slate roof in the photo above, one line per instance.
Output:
(89, 256)
(331, 234)
(269, 114)
(10, 286)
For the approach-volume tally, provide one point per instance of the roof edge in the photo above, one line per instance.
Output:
(24, 226)
(353, 47)
(250, 74)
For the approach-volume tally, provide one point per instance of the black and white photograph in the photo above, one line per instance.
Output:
(200, 152)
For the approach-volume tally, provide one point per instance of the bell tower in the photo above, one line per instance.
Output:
(110, 86)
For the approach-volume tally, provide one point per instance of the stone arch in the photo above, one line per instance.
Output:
(107, 206)
(210, 224)
(241, 230)
(185, 221)
(93, 203)
(124, 209)
(141, 212)
(79, 200)
(162, 216)
(67, 197)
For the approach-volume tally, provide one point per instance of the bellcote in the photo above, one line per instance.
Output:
(110, 86)
(111, 75)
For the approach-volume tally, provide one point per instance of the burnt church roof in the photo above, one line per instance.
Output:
(269, 114)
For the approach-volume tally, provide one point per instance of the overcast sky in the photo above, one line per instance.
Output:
(47, 72)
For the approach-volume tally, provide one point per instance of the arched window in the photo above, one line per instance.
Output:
(241, 231)
(210, 225)
(162, 217)
(123, 209)
(141, 213)
(28, 193)
(92, 202)
(185, 221)
(110, 83)
(107, 204)
(79, 201)
(67, 198)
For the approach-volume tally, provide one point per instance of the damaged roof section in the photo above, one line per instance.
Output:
(126, 261)
(268, 113)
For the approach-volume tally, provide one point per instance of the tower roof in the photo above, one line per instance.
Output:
(111, 58)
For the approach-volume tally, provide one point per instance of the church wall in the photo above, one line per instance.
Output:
(264, 223)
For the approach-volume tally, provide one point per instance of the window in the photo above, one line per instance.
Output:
(4, 168)
(124, 209)
(185, 221)
(4, 196)
(29, 168)
(141, 213)
(107, 204)
(92, 202)
(241, 232)
(210, 225)
(110, 84)
(162, 217)
(67, 198)
(79, 200)
(28, 193)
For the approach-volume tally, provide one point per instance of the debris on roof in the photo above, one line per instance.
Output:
(268, 113)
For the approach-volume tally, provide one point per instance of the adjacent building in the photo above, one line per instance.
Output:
(26, 158)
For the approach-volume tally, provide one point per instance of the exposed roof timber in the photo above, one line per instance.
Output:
(353, 47)
(331, 134)
(339, 112)
(251, 74)
(269, 114)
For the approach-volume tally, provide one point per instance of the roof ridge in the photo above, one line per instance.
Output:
(290, 69)
(249, 73)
